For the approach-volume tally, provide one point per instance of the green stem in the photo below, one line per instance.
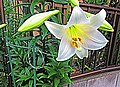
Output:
(60, 18)
(10, 59)
(67, 10)
(34, 63)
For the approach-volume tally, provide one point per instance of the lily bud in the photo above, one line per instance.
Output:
(36, 20)
(74, 3)
(2, 25)
(105, 25)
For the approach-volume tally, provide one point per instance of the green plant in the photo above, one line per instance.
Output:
(3, 79)
(30, 57)
(101, 2)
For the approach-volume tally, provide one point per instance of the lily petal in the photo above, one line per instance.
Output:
(105, 25)
(97, 20)
(97, 36)
(91, 45)
(95, 41)
(77, 17)
(55, 29)
(82, 53)
(87, 32)
(66, 51)
(92, 40)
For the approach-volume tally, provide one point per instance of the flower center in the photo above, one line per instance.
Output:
(75, 38)
(75, 43)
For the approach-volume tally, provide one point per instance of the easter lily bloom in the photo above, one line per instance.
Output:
(79, 35)
(105, 25)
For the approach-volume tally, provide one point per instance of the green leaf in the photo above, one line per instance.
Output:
(26, 38)
(39, 60)
(1, 66)
(23, 78)
(44, 31)
(25, 85)
(54, 64)
(67, 79)
(34, 2)
(30, 83)
(68, 69)
(56, 82)
(65, 70)
(22, 72)
(62, 71)
(61, 1)
(27, 71)
(55, 19)
(43, 77)
(50, 70)
(23, 3)
(87, 67)
(40, 74)
(46, 85)
(37, 8)
(52, 73)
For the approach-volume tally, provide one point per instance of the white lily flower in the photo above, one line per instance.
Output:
(79, 35)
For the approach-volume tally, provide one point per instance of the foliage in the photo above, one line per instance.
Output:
(24, 48)
(3, 79)
(101, 2)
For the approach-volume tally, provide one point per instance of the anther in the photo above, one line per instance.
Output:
(75, 39)
(74, 44)
(80, 40)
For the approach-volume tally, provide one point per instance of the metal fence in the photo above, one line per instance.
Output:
(109, 56)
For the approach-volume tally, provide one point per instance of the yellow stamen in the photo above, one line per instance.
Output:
(80, 40)
(74, 44)
(75, 39)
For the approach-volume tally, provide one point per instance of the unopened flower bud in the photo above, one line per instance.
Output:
(2, 25)
(36, 20)
(74, 3)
